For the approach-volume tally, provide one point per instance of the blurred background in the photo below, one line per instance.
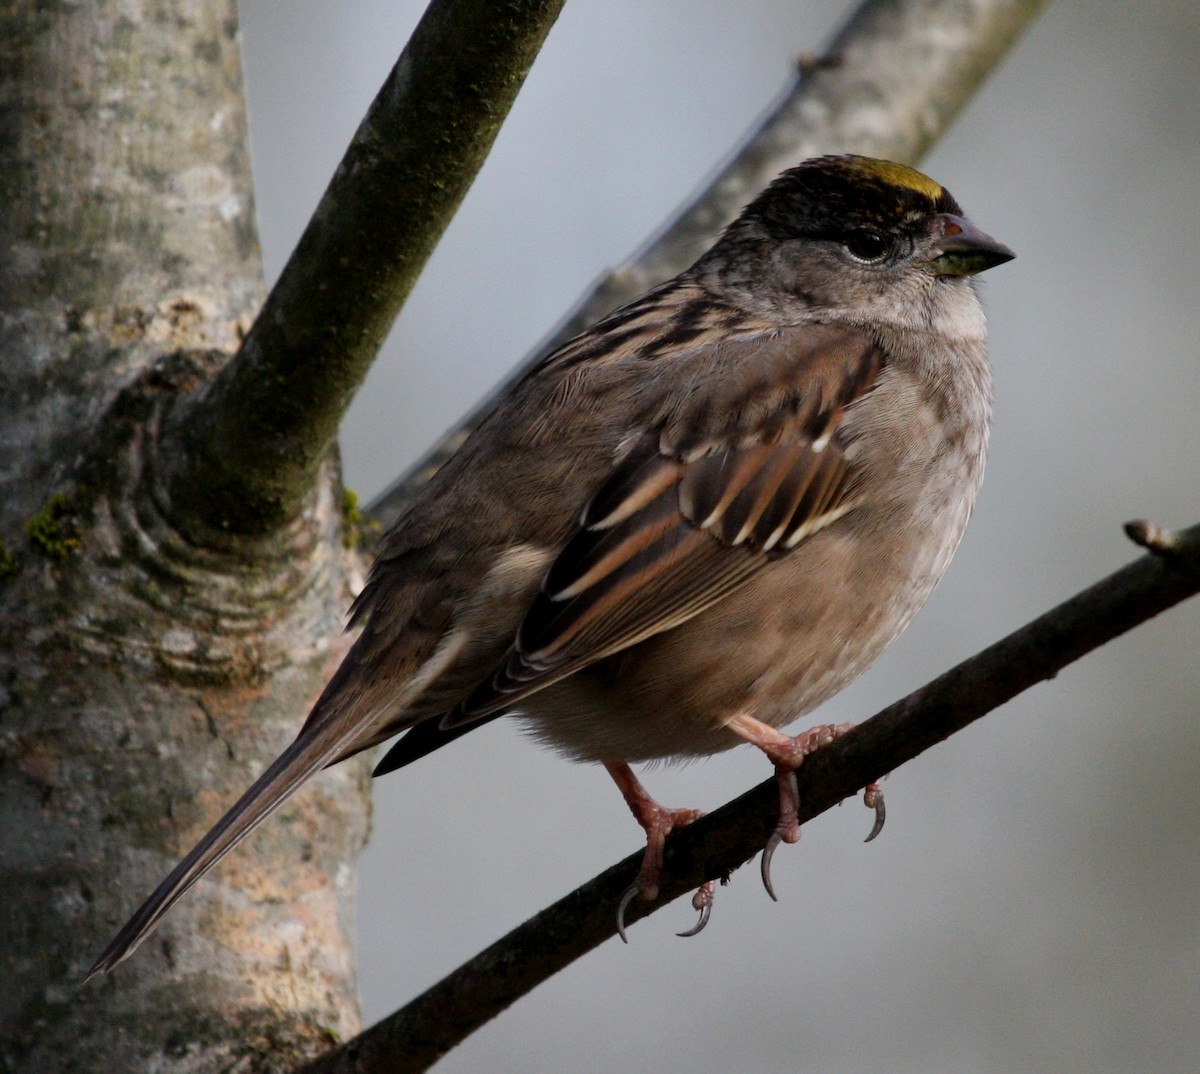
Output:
(1033, 904)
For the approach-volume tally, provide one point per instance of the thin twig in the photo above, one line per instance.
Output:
(1151, 537)
(414, 1037)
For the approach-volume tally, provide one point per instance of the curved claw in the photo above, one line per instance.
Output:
(702, 901)
(631, 893)
(705, 914)
(767, 854)
(873, 798)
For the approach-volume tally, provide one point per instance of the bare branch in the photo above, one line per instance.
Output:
(888, 85)
(252, 441)
(414, 1037)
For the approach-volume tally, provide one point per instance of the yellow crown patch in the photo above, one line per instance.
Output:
(888, 171)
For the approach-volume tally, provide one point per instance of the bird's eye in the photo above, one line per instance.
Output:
(866, 245)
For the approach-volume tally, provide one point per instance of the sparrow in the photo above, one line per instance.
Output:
(689, 525)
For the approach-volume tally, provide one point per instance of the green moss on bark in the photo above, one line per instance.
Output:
(54, 530)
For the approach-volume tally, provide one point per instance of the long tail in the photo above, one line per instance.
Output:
(311, 750)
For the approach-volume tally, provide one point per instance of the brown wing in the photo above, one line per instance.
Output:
(720, 487)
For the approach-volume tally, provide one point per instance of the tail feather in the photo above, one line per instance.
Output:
(423, 738)
(308, 753)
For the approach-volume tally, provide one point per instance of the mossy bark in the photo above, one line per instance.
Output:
(146, 677)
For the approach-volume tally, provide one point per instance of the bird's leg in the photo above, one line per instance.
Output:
(787, 753)
(658, 822)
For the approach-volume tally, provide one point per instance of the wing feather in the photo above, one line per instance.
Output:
(688, 515)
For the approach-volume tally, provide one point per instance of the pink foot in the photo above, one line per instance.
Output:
(658, 822)
(787, 753)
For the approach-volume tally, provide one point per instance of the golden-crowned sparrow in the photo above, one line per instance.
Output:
(692, 523)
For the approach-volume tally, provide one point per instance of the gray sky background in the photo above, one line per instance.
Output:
(1033, 904)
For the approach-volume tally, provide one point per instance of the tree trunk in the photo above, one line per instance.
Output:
(145, 677)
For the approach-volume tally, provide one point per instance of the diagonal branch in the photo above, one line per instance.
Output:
(414, 1037)
(249, 446)
(890, 82)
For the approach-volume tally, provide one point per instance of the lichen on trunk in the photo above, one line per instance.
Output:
(146, 676)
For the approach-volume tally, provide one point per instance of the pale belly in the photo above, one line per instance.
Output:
(797, 633)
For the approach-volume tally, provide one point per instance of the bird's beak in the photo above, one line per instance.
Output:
(964, 250)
